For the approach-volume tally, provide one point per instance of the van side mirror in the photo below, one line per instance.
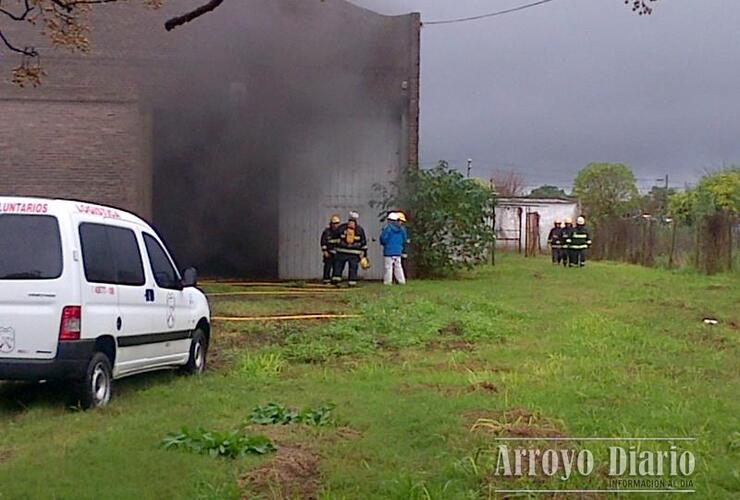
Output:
(189, 277)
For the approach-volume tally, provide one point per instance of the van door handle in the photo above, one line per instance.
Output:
(149, 295)
(119, 324)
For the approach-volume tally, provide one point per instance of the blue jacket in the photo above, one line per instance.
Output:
(393, 238)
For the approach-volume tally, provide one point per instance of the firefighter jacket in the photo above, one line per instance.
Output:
(579, 238)
(351, 239)
(329, 240)
(555, 238)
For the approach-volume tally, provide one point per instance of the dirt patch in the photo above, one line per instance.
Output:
(469, 365)
(5, 455)
(484, 386)
(450, 344)
(446, 390)
(711, 339)
(515, 422)
(293, 472)
(717, 287)
(453, 329)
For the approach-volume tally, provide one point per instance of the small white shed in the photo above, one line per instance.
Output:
(522, 224)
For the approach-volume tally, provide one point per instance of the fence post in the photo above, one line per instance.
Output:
(730, 224)
(673, 243)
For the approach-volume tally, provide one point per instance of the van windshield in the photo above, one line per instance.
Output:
(30, 247)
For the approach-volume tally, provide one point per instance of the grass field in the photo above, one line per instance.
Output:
(521, 350)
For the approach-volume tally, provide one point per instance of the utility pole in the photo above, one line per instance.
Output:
(470, 165)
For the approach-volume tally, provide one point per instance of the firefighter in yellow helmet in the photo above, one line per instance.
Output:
(404, 255)
(351, 249)
(329, 242)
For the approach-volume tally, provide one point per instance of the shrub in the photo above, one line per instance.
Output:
(449, 217)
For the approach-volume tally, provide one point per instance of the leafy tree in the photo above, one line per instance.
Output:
(715, 192)
(548, 191)
(449, 217)
(606, 189)
(67, 24)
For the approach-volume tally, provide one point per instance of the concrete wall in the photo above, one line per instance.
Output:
(509, 225)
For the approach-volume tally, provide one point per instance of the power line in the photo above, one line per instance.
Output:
(485, 16)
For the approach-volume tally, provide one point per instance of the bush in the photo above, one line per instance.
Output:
(449, 217)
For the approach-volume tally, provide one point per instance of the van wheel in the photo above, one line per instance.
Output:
(198, 351)
(95, 388)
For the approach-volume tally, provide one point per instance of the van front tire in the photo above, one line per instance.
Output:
(198, 351)
(95, 388)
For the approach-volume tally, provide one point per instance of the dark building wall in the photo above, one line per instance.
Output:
(207, 129)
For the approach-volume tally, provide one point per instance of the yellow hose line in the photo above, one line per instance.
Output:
(284, 318)
(276, 284)
(276, 292)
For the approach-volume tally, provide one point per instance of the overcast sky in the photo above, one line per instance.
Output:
(549, 89)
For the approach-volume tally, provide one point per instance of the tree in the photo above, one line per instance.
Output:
(606, 189)
(508, 183)
(548, 191)
(67, 24)
(449, 217)
(715, 192)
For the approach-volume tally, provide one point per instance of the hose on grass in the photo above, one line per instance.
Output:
(296, 317)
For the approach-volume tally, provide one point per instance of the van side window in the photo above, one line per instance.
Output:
(111, 255)
(97, 256)
(30, 247)
(164, 274)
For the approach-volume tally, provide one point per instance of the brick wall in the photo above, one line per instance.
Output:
(83, 150)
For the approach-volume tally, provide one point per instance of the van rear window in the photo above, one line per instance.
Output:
(30, 247)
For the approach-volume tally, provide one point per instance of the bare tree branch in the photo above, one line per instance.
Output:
(26, 51)
(194, 14)
(18, 17)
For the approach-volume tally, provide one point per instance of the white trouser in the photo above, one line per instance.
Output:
(393, 267)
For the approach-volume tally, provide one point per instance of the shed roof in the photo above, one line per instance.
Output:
(525, 201)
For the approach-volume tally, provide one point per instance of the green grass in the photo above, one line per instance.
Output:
(610, 351)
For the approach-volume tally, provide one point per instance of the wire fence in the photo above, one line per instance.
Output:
(710, 245)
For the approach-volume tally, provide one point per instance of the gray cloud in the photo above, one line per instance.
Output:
(554, 87)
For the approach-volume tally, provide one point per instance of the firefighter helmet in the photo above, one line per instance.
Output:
(558, 222)
(335, 219)
(393, 216)
(568, 220)
(580, 221)
(354, 215)
(402, 216)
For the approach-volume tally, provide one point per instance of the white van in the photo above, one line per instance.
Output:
(90, 294)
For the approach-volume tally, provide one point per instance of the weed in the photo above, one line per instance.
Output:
(234, 444)
(262, 366)
(275, 413)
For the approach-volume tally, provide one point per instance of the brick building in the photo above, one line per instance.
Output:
(237, 134)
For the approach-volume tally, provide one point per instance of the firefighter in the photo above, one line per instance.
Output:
(565, 241)
(351, 250)
(404, 255)
(578, 243)
(328, 247)
(556, 244)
